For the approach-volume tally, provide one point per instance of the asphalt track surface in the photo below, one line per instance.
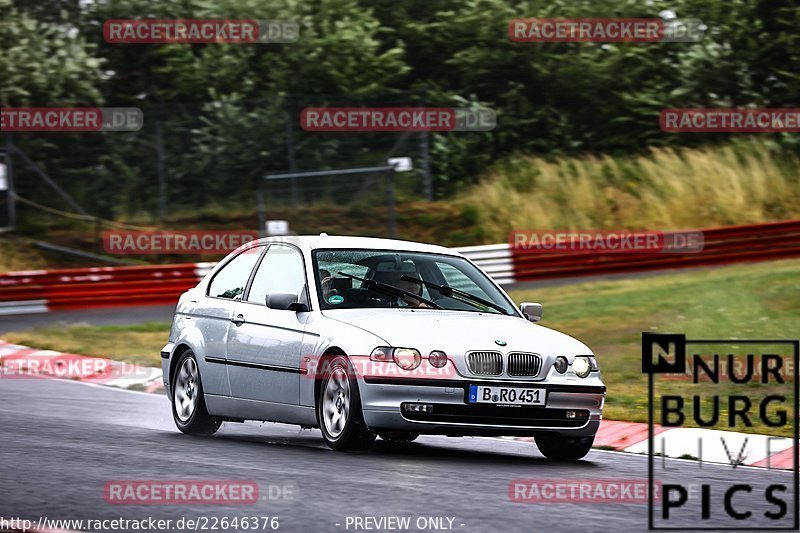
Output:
(62, 441)
(98, 317)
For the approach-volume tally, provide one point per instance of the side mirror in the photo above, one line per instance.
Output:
(285, 301)
(532, 311)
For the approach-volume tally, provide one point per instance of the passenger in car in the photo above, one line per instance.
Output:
(326, 280)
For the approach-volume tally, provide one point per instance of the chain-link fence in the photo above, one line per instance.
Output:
(210, 159)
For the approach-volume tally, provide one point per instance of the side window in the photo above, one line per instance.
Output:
(458, 280)
(231, 281)
(280, 271)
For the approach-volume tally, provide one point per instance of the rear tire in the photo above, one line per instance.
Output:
(339, 408)
(561, 448)
(188, 404)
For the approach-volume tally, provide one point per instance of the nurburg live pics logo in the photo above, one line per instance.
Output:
(727, 401)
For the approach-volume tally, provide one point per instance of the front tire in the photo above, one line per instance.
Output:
(561, 448)
(339, 408)
(188, 404)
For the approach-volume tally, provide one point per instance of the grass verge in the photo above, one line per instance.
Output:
(139, 343)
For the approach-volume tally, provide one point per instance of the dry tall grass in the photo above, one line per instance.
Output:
(667, 189)
(19, 256)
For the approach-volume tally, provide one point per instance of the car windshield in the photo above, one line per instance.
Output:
(348, 279)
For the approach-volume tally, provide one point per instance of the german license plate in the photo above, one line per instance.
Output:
(506, 395)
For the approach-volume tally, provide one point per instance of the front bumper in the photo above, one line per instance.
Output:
(382, 402)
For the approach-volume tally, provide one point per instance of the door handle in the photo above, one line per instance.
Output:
(238, 320)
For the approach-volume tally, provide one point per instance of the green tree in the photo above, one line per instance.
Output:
(45, 63)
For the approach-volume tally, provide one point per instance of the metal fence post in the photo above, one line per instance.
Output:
(98, 235)
(291, 158)
(425, 148)
(426, 164)
(262, 218)
(391, 203)
(12, 196)
(162, 179)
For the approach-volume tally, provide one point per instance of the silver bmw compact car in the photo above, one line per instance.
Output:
(364, 337)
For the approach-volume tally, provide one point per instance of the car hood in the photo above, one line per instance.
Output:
(457, 332)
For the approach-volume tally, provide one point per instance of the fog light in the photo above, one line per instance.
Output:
(417, 407)
(572, 415)
(437, 359)
(560, 364)
(581, 366)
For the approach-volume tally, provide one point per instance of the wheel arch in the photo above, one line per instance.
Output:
(179, 350)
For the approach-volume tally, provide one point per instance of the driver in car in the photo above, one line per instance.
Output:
(388, 274)
(393, 276)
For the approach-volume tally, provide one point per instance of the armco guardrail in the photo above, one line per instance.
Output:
(40, 291)
(43, 291)
(731, 244)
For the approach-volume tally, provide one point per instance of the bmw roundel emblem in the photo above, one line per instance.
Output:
(500, 343)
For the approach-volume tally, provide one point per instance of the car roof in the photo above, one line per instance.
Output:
(324, 241)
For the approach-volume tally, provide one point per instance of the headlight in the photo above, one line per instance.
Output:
(407, 358)
(381, 353)
(561, 364)
(437, 359)
(581, 366)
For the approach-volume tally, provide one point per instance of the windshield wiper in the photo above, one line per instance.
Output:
(447, 290)
(390, 289)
